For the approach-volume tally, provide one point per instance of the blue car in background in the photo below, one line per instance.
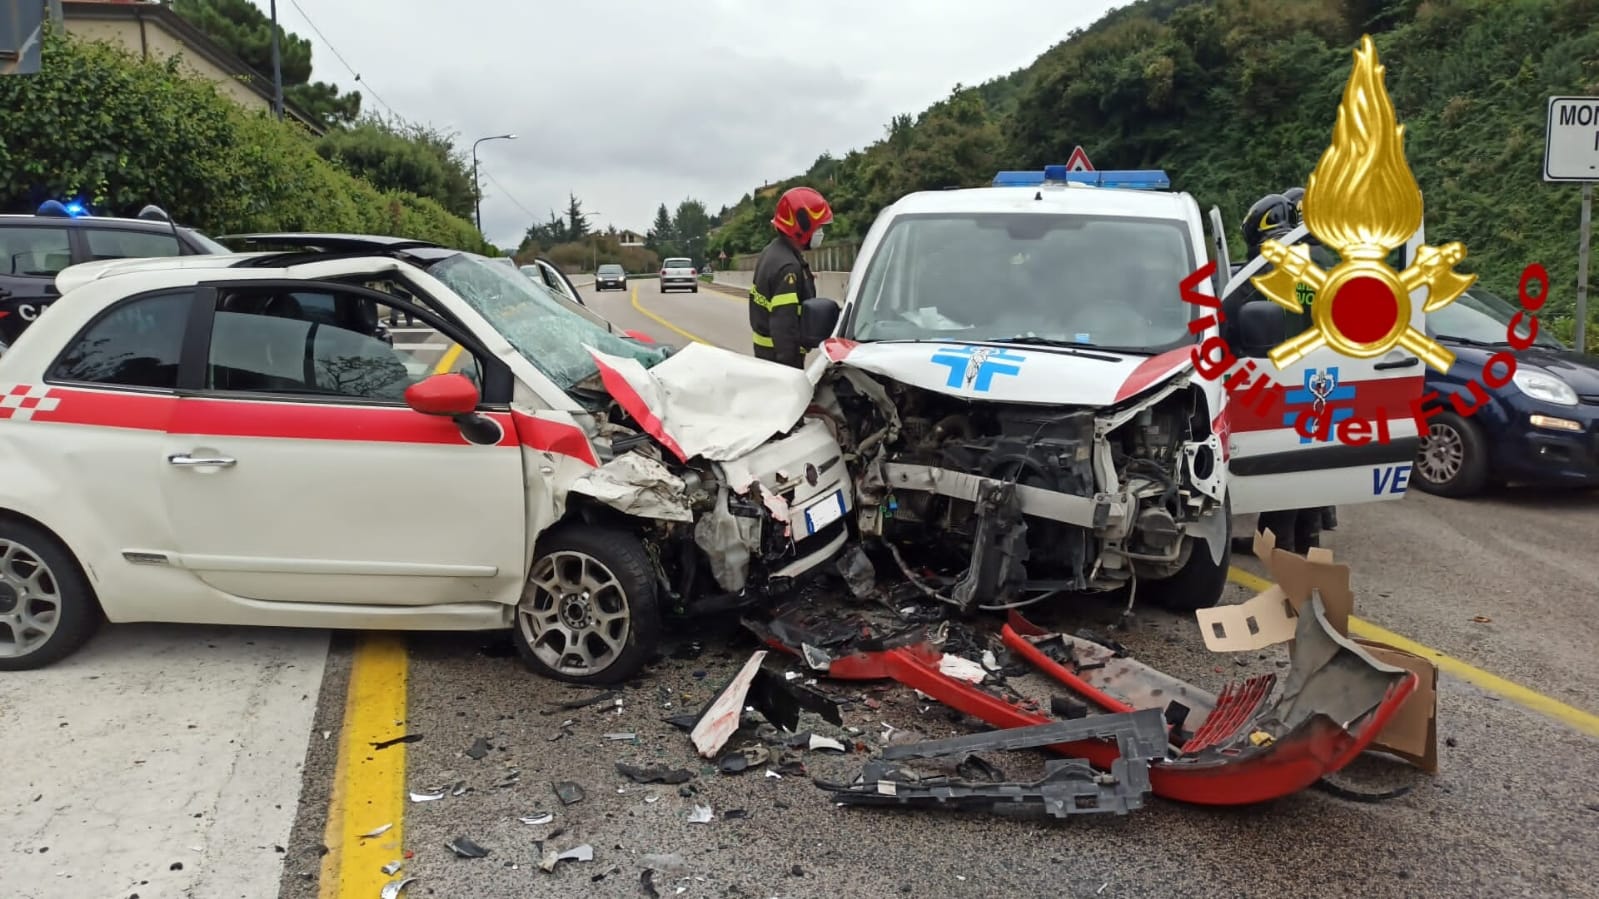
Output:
(1540, 428)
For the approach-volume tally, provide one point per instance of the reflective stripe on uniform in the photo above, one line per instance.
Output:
(760, 300)
(763, 341)
(784, 299)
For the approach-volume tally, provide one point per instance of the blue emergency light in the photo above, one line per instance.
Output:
(73, 209)
(1127, 179)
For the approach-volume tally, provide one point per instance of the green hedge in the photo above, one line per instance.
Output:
(99, 124)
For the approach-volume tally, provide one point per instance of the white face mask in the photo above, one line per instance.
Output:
(816, 237)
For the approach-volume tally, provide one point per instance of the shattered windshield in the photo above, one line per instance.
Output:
(1107, 281)
(552, 337)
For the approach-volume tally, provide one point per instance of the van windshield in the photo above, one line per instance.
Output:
(1104, 281)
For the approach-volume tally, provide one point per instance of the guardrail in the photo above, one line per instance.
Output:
(837, 257)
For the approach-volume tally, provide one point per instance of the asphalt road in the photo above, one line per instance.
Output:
(1506, 584)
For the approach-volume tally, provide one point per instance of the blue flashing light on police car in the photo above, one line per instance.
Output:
(1126, 179)
(56, 208)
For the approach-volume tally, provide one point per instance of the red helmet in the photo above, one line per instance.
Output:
(800, 212)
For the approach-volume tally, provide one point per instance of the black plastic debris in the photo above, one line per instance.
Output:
(646, 884)
(1067, 708)
(780, 700)
(408, 738)
(568, 792)
(583, 703)
(465, 848)
(976, 769)
(1068, 787)
(654, 774)
(479, 748)
(736, 813)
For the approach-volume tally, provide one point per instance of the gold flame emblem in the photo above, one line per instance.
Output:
(1362, 201)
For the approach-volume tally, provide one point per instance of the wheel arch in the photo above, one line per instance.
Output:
(12, 516)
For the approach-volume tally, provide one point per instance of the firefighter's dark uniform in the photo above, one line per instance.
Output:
(782, 282)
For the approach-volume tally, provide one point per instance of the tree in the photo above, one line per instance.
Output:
(661, 238)
(691, 227)
(577, 224)
(241, 27)
(411, 158)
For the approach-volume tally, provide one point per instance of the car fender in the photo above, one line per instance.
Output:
(33, 492)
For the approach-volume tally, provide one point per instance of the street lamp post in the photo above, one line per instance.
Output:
(477, 191)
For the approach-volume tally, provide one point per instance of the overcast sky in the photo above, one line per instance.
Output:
(632, 103)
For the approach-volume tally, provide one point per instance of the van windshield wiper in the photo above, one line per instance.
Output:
(1469, 341)
(1075, 349)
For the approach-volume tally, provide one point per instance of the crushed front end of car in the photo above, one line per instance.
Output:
(993, 504)
(742, 490)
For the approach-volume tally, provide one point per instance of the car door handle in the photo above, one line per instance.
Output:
(1402, 363)
(186, 459)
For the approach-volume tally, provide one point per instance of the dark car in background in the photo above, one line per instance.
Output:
(1541, 427)
(610, 276)
(35, 248)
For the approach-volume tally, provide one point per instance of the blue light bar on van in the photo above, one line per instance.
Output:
(1128, 179)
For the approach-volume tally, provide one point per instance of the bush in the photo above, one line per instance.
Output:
(100, 125)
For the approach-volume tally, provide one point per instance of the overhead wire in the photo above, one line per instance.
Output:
(366, 85)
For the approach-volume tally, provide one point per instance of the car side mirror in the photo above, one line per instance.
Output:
(451, 394)
(1262, 325)
(818, 318)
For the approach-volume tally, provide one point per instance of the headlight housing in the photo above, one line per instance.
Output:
(1543, 386)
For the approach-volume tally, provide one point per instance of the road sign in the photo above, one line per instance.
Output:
(1571, 142)
(1079, 161)
(1571, 153)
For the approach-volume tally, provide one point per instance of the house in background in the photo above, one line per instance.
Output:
(152, 31)
(630, 238)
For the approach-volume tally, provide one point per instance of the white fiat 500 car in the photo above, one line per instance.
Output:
(229, 440)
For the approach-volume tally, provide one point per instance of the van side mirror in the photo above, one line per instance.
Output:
(1262, 325)
(818, 317)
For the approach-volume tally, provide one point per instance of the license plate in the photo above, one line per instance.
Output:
(825, 512)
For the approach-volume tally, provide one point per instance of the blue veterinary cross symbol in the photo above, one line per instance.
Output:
(1305, 396)
(977, 366)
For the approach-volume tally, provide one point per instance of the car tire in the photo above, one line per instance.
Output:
(1199, 584)
(598, 571)
(694, 289)
(1452, 460)
(25, 552)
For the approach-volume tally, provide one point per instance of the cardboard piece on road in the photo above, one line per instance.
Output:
(1270, 617)
(1412, 734)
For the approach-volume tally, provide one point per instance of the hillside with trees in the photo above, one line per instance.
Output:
(1237, 98)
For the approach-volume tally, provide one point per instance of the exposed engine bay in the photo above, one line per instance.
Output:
(1013, 503)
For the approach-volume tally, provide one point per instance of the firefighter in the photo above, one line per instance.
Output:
(783, 280)
(1271, 218)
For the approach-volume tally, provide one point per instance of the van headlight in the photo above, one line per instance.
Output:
(1544, 386)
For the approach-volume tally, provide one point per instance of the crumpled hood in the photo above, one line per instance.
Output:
(706, 401)
(1012, 374)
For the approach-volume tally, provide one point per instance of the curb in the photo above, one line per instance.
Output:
(727, 288)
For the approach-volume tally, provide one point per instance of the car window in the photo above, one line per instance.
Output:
(136, 344)
(679, 263)
(320, 343)
(610, 269)
(110, 243)
(548, 332)
(34, 251)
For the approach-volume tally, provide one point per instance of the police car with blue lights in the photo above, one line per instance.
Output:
(1015, 368)
(35, 248)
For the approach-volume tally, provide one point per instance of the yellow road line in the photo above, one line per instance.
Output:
(1583, 721)
(663, 322)
(448, 362)
(368, 784)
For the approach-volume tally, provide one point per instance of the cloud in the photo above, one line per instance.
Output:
(629, 104)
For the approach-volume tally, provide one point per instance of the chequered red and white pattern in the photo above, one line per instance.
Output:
(23, 400)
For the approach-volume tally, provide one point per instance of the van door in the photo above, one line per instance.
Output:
(1273, 467)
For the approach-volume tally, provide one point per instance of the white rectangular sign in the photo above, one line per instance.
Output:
(1571, 141)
